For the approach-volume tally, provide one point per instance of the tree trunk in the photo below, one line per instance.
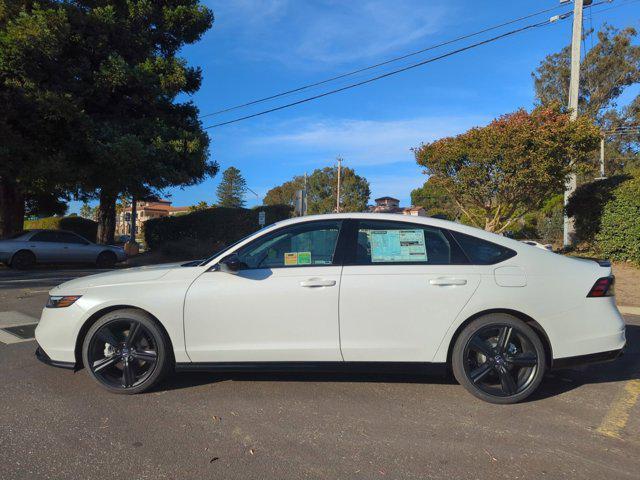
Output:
(11, 208)
(106, 218)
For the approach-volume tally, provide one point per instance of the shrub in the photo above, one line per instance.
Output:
(619, 233)
(215, 227)
(82, 226)
(586, 206)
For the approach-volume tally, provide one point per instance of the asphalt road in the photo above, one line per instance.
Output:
(60, 425)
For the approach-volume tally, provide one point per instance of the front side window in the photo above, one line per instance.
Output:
(68, 237)
(383, 242)
(307, 244)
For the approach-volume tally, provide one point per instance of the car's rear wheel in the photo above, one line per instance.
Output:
(126, 352)
(106, 259)
(23, 259)
(499, 359)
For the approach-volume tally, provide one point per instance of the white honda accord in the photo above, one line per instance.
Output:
(375, 292)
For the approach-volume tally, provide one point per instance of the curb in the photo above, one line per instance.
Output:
(629, 310)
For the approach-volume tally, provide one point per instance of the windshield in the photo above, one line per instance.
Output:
(17, 235)
(228, 247)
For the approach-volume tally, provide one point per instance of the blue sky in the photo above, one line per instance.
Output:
(260, 47)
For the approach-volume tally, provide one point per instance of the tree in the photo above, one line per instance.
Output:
(607, 69)
(100, 82)
(322, 190)
(201, 205)
(499, 173)
(285, 194)
(435, 200)
(87, 211)
(37, 117)
(231, 189)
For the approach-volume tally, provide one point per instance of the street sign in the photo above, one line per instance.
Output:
(262, 218)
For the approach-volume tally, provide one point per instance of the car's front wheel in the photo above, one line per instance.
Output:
(499, 359)
(125, 351)
(106, 259)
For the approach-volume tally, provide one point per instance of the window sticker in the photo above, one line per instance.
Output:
(297, 258)
(304, 258)
(291, 258)
(397, 245)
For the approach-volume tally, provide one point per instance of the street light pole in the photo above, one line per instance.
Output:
(574, 88)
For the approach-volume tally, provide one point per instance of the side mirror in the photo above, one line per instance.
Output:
(230, 264)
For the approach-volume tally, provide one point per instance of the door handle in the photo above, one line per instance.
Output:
(442, 282)
(317, 282)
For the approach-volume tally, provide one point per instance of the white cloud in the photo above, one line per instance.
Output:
(363, 142)
(325, 33)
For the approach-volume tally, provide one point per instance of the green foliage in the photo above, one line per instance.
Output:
(587, 204)
(232, 189)
(322, 190)
(619, 235)
(550, 220)
(436, 201)
(214, 226)
(202, 205)
(499, 173)
(606, 70)
(89, 93)
(82, 226)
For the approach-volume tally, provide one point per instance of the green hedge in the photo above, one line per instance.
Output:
(217, 226)
(586, 206)
(82, 226)
(619, 233)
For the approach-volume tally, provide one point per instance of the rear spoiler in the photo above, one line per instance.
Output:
(599, 261)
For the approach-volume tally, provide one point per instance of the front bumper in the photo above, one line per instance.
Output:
(44, 358)
(600, 357)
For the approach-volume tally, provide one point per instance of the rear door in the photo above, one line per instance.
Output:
(403, 284)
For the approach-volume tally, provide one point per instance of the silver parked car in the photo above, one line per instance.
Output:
(28, 248)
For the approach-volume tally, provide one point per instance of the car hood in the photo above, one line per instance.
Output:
(117, 277)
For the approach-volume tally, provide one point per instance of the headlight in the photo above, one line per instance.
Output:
(62, 301)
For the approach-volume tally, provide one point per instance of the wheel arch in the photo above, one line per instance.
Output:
(10, 260)
(522, 316)
(100, 313)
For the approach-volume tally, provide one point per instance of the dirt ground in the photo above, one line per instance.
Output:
(627, 284)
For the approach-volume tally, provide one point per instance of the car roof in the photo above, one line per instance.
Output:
(394, 217)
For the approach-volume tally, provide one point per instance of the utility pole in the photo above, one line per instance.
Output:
(602, 156)
(574, 88)
(339, 179)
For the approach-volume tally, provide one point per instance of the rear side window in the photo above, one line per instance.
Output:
(482, 252)
(384, 242)
(46, 236)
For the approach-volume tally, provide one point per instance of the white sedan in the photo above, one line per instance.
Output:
(372, 292)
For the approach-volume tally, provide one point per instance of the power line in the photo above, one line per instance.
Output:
(386, 62)
(395, 72)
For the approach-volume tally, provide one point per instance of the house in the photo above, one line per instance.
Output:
(392, 205)
(145, 210)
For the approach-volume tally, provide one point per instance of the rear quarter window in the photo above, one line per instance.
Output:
(482, 252)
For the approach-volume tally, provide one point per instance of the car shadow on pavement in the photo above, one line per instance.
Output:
(626, 367)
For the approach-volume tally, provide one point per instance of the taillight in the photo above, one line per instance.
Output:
(603, 287)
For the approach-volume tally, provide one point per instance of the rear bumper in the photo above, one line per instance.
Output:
(44, 358)
(600, 357)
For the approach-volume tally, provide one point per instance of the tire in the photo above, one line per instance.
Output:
(123, 365)
(499, 359)
(106, 259)
(23, 260)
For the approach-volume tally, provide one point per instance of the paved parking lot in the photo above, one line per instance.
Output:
(56, 424)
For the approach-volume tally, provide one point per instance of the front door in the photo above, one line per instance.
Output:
(282, 305)
(403, 284)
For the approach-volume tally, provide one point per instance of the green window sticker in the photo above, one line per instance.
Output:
(304, 258)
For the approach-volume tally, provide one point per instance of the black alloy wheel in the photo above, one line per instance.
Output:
(125, 352)
(499, 359)
(23, 260)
